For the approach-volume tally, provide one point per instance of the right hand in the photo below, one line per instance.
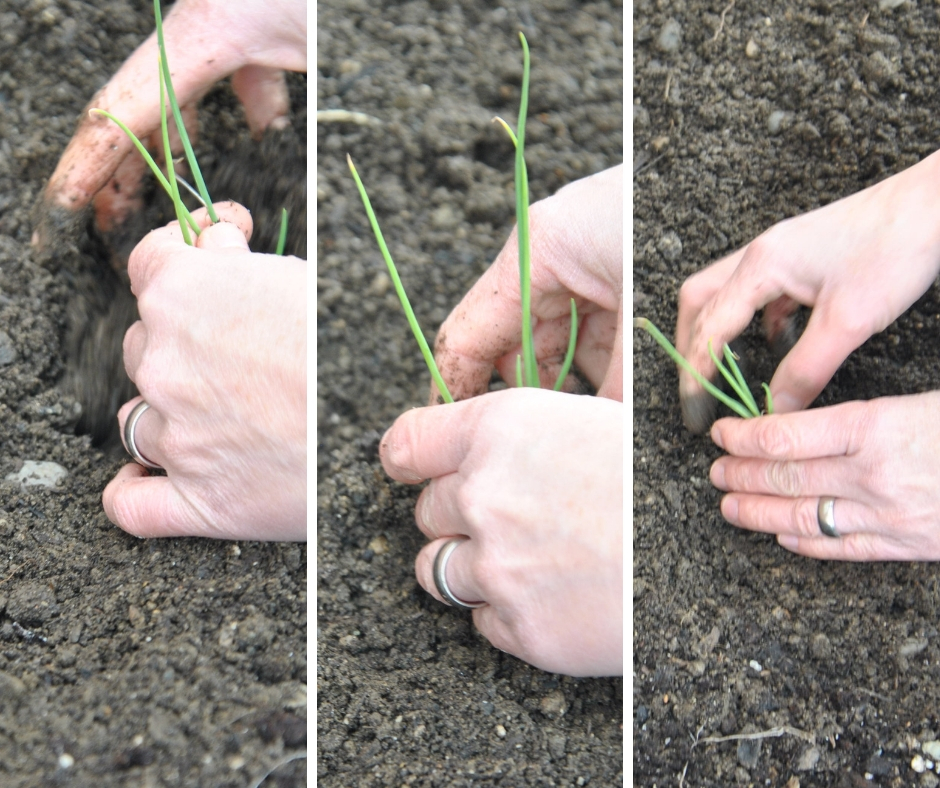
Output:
(206, 41)
(859, 263)
(577, 251)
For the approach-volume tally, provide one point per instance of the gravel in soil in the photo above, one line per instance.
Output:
(746, 114)
(408, 692)
(123, 662)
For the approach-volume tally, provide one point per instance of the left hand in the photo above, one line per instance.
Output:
(219, 353)
(878, 459)
(534, 479)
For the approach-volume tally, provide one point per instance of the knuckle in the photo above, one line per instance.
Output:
(806, 519)
(786, 478)
(774, 438)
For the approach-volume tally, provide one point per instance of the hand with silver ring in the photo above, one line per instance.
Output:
(219, 358)
(130, 439)
(524, 511)
(440, 577)
(879, 459)
(826, 515)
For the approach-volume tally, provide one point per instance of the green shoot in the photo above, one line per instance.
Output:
(747, 406)
(527, 372)
(178, 206)
(529, 364)
(158, 174)
(569, 354)
(399, 288)
(178, 117)
(282, 235)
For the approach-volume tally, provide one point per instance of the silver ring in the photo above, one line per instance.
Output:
(129, 426)
(440, 576)
(825, 514)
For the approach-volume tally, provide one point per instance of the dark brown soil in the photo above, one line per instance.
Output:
(122, 662)
(848, 655)
(408, 692)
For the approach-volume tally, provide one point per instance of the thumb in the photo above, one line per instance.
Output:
(223, 235)
(813, 360)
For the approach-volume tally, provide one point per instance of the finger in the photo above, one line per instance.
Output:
(795, 516)
(150, 506)
(263, 93)
(786, 478)
(612, 385)
(198, 56)
(223, 236)
(121, 196)
(486, 324)
(597, 346)
(425, 443)
(823, 432)
(855, 547)
(437, 512)
(459, 573)
(698, 406)
(135, 342)
(147, 432)
(828, 340)
(161, 245)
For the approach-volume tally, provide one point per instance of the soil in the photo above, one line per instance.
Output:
(408, 692)
(732, 634)
(123, 662)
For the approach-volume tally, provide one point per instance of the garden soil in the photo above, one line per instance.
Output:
(814, 674)
(123, 662)
(409, 694)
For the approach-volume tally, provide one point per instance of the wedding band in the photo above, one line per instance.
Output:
(825, 514)
(129, 426)
(440, 576)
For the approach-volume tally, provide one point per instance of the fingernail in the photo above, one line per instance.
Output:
(729, 509)
(786, 403)
(789, 542)
(717, 475)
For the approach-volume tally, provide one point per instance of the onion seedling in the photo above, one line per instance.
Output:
(527, 373)
(171, 181)
(745, 406)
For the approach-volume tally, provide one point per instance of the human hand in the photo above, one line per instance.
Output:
(534, 478)
(859, 262)
(878, 459)
(577, 251)
(206, 41)
(219, 353)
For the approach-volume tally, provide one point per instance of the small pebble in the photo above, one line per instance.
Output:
(66, 761)
(670, 246)
(890, 5)
(751, 49)
(44, 474)
(755, 666)
(775, 121)
(931, 749)
(670, 37)
(918, 764)
(501, 731)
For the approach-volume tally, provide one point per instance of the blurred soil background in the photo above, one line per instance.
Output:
(122, 662)
(408, 692)
(745, 114)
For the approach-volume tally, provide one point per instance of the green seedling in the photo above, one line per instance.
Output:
(745, 406)
(171, 181)
(527, 373)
